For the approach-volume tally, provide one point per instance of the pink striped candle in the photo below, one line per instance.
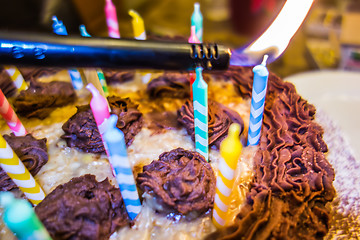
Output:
(10, 116)
(99, 107)
(111, 19)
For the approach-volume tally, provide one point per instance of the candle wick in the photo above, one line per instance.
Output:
(265, 59)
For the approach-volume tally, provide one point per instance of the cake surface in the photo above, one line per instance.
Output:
(283, 186)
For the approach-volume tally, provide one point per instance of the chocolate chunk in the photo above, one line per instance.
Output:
(170, 84)
(81, 130)
(181, 182)
(30, 73)
(83, 208)
(220, 118)
(7, 86)
(40, 99)
(31, 151)
(113, 76)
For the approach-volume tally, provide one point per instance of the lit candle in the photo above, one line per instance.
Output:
(99, 72)
(261, 75)
(230, 150)
(197, 21)
(119, 161)
(138, 25)
(8, 113)
(200, 100)
(16, 77)
(16, 170)
(111, 19)
(60, 29)
(21, 219)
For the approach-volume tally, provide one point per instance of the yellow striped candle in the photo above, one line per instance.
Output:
(16, 170)
(16, 77)
(230, 150)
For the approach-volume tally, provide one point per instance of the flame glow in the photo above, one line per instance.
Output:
(277, 37)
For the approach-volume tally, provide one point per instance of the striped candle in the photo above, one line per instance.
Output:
(16, 170)
(8, 113)
(111, 19)
(20, 217)
(119, 161)
(138, 25)
(261, 75)
(230, 150)
(197, 21)
(16, 77)
(99, 72)
(192, 39)
(99, 107)
(60, 29)
(200, 100)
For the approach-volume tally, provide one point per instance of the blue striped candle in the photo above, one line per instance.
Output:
(200, 100)
(117, 153)
(60, 29)
(261, 75)
(99, 72)
(197, 21)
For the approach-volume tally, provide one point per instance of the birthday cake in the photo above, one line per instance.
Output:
(282, 187)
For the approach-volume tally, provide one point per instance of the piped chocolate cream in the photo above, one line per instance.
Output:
(113, 76)
(83, 208)
(180, 184)
(170, 84)
(31, 73)
(7, 86)
(41, 98)
(31, 151)
(293, 180)
(219, 119)
(81, 130)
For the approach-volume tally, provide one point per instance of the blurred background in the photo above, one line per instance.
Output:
(327, 40)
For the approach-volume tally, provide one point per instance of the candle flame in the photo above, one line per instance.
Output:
(276, 38)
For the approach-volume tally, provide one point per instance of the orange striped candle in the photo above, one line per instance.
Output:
(16, 170)
(230, 150)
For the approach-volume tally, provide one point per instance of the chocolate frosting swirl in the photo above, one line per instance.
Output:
(40, 99)
(220, 119)
(170, 84)
(293, 179)
(181, 181)
(83, 208)
(81, 130)
(113, 76)
(6, 84)
(30, 73)
(31, 151)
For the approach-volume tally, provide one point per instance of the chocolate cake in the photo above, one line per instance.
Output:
(283, 186)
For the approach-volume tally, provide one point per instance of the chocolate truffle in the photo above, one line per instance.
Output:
(31, 151)
(83, 208)
(181, 184)
(82, 132)
(41, 98)
(220, 118)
